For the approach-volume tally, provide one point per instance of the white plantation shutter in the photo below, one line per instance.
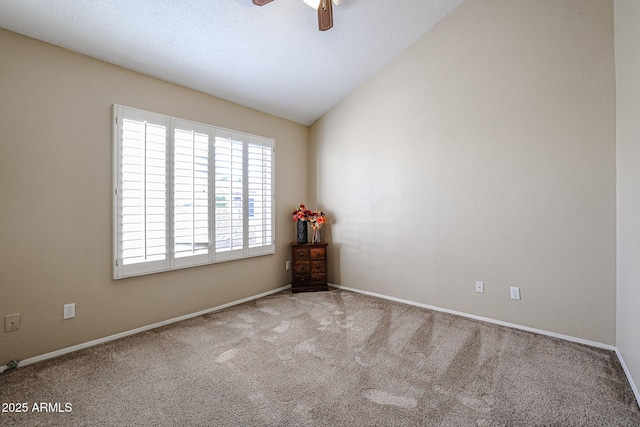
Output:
(229, 193)
(141, 217)
(191, 193)
(260, 195)
(188, 194)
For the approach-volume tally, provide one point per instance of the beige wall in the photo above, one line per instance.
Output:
(486, 151)
(56, 209)
(627, 17)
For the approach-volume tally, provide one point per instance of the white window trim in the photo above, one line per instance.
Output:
(171, 262)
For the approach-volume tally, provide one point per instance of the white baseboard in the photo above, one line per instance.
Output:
(483, 319)
(629, 377)
(71, 349)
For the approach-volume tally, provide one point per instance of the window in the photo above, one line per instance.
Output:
(188, 194)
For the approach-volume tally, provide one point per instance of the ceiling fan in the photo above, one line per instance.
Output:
(325, 11)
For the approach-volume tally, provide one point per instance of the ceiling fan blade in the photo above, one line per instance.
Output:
(261, 2)
(325, 15)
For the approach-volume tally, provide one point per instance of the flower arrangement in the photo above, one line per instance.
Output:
(301, 213)
(316, 218)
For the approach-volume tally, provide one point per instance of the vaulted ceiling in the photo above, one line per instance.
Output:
(270, 58)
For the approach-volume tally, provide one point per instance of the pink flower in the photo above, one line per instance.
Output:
(301, 213)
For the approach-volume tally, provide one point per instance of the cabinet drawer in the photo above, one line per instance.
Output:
(301, 253)
(318, 267)
(318, 279)
(301, 267)
(301, 280)
(317, 253)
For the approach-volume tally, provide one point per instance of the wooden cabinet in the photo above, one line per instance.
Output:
(309, 262)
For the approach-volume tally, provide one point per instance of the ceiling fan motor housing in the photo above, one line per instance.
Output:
(324, 7)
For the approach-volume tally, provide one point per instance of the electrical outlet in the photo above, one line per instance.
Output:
(11, 322)
(287, 265)
(69, 311)
(480, 287)
(515, 292)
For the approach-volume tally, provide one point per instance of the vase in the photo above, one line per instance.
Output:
(316, 235)
(301, 228)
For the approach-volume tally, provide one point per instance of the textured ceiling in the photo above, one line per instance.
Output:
(270, 58)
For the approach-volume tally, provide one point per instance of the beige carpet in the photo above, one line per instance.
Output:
(327, 359)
